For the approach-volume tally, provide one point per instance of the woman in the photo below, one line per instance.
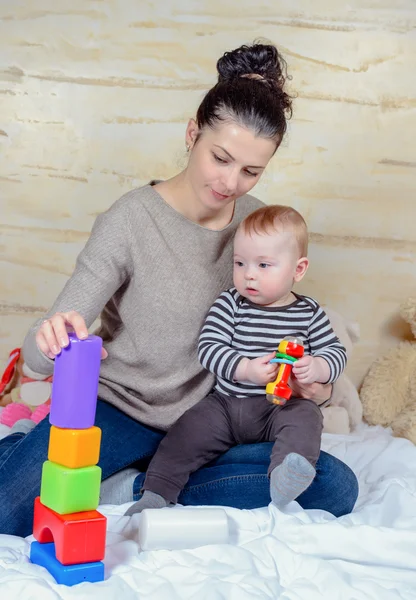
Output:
(153, 265)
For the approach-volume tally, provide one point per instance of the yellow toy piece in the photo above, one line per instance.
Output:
(288, 351)
(74, 448)
(282, 347)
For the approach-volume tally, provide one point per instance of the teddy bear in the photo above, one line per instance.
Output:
(345, 410)
(388, 392)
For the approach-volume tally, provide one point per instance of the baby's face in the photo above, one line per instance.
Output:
(265, 266)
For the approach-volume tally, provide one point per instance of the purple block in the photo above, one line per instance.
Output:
(75, 383)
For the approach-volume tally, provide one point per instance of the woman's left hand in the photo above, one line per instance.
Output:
(318, 392)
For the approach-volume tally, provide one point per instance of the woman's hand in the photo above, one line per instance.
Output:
(318, 392)
(52, 335)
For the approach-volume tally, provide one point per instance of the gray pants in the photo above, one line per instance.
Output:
(219, 422)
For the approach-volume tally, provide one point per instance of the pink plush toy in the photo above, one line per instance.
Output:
(14, 412)
(40, 413)
(24, 394)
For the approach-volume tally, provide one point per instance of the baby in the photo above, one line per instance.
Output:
(237, 342)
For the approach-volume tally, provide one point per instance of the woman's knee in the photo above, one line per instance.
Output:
(340, 483)
(27, 453)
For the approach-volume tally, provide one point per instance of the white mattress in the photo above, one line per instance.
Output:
(295, 554)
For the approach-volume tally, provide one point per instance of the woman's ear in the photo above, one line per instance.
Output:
(191, 134)
(301, 268)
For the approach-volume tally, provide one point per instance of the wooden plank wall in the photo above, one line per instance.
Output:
(94, 99)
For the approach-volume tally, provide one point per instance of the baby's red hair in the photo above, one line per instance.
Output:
(278, 218)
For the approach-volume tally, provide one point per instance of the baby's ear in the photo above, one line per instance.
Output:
(301, 268)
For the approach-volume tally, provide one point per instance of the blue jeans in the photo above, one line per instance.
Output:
(237, 478)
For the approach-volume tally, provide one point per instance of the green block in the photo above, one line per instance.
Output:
(66, 490)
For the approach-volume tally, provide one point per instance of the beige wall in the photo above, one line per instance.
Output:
(94, 97)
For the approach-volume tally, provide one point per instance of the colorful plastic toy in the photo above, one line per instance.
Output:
(74, 448)
(75, 383)
(288, 352)
(78, 537)
(44, 555)
(68, 490)
(65, 518)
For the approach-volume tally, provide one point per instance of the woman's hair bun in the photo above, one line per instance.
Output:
(250, 92)
(259, 61)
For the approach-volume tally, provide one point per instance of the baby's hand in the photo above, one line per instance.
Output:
(260, 370)
(309, 369)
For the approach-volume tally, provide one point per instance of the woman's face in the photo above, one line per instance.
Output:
(225, 163)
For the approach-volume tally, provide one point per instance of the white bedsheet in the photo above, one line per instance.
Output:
(295, 554)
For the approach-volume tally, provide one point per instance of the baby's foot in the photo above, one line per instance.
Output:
(148, 500)
(290, 479)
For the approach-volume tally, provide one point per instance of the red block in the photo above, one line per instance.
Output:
(79, 537)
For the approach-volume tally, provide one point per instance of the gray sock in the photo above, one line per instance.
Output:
(290, 479)
(118, 488)
(148, 500)
(22, 426)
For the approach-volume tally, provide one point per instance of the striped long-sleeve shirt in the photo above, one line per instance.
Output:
(236, 328)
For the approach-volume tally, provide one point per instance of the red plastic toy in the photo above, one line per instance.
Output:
(79, 537)
(288, 352)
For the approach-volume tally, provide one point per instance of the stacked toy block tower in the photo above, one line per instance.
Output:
(70, 533)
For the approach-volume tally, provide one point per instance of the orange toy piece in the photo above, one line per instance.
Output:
(79, 537)
(74, 448)
(289, 350)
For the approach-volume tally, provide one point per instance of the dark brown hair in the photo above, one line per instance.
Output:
(249, 92)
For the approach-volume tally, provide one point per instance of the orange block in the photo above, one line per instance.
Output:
(74, 448)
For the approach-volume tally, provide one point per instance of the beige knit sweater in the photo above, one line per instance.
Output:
(153, 275)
